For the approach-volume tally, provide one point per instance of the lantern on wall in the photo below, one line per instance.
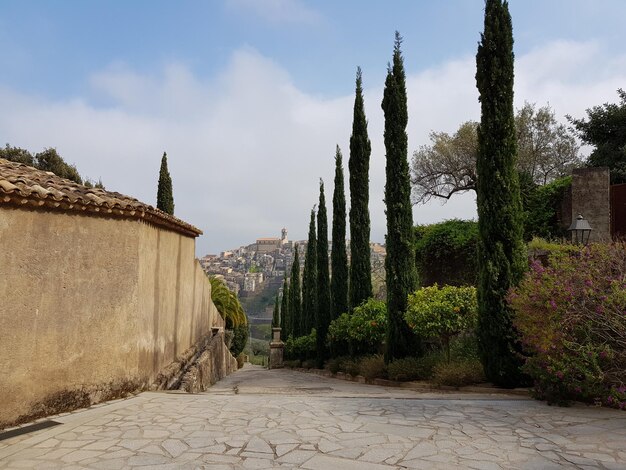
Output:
(580, 230)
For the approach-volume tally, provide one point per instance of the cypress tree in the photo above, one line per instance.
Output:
(401, 276)
(284, 310)
(309, 281)
(295, 300)
(165, 196)
(339, 256)
(276, 314)
(360, 149)
(323, 280)
(501, 260)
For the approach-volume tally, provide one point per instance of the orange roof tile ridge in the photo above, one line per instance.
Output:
(24, 186)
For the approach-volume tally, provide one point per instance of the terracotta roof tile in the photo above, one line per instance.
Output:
(22, 185)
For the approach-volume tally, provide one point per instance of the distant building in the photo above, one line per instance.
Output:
(267, 245)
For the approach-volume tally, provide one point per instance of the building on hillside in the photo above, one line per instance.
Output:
(267, 245)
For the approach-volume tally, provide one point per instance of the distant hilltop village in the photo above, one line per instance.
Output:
(248, 268)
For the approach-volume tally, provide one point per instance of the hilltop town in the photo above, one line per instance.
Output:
(256, 271)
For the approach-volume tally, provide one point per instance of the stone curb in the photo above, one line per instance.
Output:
(418, 386)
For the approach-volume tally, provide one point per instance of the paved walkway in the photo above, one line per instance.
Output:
(283, 419)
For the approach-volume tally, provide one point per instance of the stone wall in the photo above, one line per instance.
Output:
(212, 365)
(591, 198)
(92, 308)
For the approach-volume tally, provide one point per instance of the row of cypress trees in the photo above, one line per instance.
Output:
(501, 259)
(324, 299)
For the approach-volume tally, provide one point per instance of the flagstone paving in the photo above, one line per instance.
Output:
(258, 419)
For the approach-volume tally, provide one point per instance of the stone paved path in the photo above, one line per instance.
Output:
(284, 419)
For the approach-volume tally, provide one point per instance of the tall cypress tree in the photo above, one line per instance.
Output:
(276, 314)
(309, 281)
(295, 299)
(501, 260)
(165, 196)
(401, 276)
(284, 310)
(339, 256)
(359, 164)
(323, 280)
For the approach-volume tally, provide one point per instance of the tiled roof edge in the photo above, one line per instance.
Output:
(29, 187)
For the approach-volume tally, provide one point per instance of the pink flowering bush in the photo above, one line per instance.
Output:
(571, 315)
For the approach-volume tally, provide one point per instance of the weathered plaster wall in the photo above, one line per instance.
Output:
(176, 308)
(91, 306)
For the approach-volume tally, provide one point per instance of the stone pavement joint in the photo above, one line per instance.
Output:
(262, 419)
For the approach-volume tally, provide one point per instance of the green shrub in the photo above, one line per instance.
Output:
(351, 367)
(549, 247)
(458, 373)
(464, 346)
(240, 338)
(543, 210)
(373, 367)
(442, 312)
(570, 314)
(445, 253)
(334, 364)
(292, 363)
(413, 368)
(302, 348)
(339, 333)
(363, 330)
(309, 364)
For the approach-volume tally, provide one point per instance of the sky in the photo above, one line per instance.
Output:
(249, 98)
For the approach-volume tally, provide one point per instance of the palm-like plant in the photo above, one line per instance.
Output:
(227, 304)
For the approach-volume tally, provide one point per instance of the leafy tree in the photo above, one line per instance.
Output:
(309, 282)
(546, 151)
(302, 347)
(442, 313)
(447, 166)
(362, 331)
(400, 260)
(227, 304)
(50, 160)
(501, 259)
(323, 280)
(605, 129)
(165, 196)
(17, 155)
(241, 333)
(360, 288)
(295, 299)
(276, 314)
(543, 210)
(47, 160)
(446, 253)
(284, 309)
(339, 256)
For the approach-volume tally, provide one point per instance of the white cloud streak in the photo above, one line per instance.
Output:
(246, 148)
(277, 11)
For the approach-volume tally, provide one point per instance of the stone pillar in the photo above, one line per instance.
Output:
(591, 198)
(276, 350)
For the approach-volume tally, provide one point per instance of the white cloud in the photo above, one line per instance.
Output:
(277, 11)
(246, 148)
